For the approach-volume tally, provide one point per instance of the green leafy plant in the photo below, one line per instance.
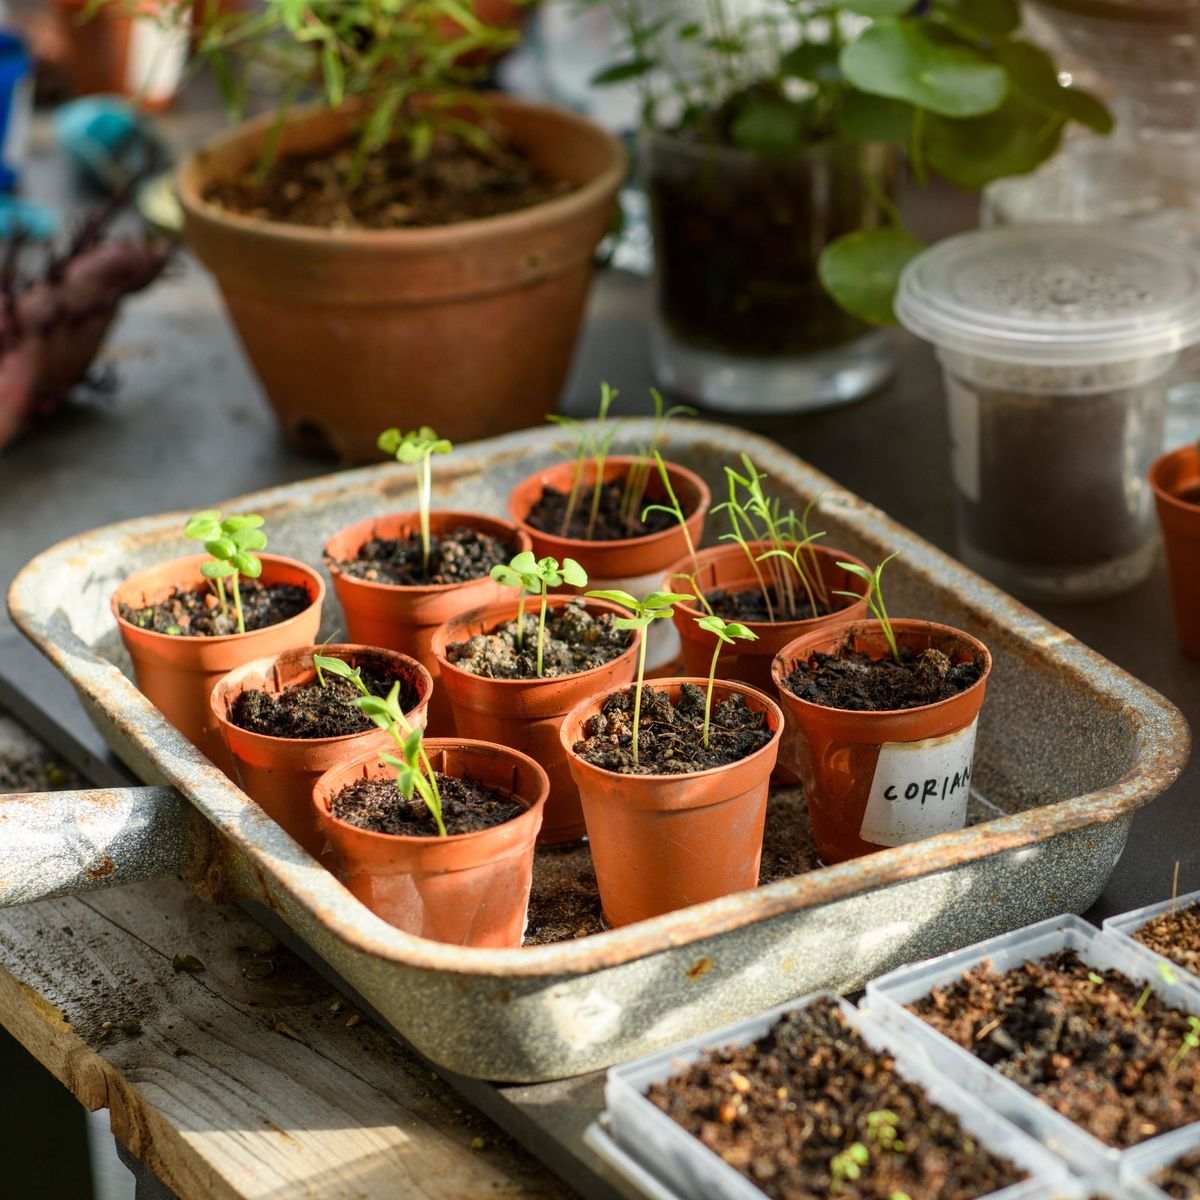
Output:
(657, 606)
(232, 542)
(847, 1165)
(537, 577)
(417, 449)
(874, 598)
(1094, 981)
(726, 633)
(1191, 1040)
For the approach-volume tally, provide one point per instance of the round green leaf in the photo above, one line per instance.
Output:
(1013, 140)
(216, 570)
(1033, 76)
(861, 270)
(247, 564)
(982, 19)
(864, 118)
(221, 547)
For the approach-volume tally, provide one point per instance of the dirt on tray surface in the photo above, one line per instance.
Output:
(456, 181)
(198, 613)
(459, 556)
(1175, 935)
(1074, 1037)
(793, 1110)
(850, 679)
(549, 513)
(308, 710)
(751, 605)
(467, 807)
(1181, 1179)
(670, 736)
(575, 640)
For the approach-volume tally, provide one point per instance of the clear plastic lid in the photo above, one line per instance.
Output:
(1049, 295)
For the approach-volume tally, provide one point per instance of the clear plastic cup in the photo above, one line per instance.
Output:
(1056, 343)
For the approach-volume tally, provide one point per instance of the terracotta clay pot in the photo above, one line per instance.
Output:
(470, 325)
(662, 842)
(279, 773)
(526, 714)
(405, 618)
(634, 564)
(880, 779)
(177, 674)
(1175, 478)
(469, 889)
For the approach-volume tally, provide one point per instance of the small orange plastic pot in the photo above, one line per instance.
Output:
(469, 889)
(1175, 478)
(880, 779)
(526, 714)
(662, 842)
(404, 618)
(177, 674)
(279, 773)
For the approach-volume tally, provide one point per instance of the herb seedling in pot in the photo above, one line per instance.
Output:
(633, 497)
(537, 576)
(726, 633)
(417, 449)
(873, 598)
(232, 542)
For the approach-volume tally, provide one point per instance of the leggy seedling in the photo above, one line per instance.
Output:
(796, 557)
(655, 607)
(634, 493)
(232, 542)
(417, 449)
(675, 509)
(874, 598)
(594, 444)
(726, 633)
(537, 576)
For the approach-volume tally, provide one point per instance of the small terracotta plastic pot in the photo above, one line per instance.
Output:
(404, 618)
(1175, 478)
(176, 673)
(279, 773)
(662, 842)
(880, 779)
(634, 564)
(526, 714)
(469, 889)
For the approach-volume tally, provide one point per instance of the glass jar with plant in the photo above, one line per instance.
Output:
(771, 157)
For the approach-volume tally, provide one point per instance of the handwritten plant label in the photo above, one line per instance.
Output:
(919, 789)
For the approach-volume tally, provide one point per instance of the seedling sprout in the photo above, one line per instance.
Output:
(883, 1128)
(633, 497)
(726, 633)
(1191, 1040)
(418, 448)
(232, 542)
(847, 1165)
(1094, 981)
(874, 598)
(796, 557)
(655, 607)
(594, 444)
(537, 576)
(1168, 977)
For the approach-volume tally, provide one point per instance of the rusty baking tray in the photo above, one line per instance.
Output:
(1069, 748)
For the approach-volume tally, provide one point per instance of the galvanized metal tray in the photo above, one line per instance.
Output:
(1069, 748)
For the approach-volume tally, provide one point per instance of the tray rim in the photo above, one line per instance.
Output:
(1162, 735)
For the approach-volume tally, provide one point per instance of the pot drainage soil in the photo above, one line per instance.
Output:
(670, 735)
(548, 513)
(809, 1099)
(574, 641)
(198, 613)
(468, 806)
(1074, 1038)
(1175, 935)
(751, 605)
(456, 557)
(1181, 1180)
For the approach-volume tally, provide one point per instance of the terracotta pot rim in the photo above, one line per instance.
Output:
(223, 638)
(441, 639)
(335, 650)
(727, 686)
(560, 208)
(581, 545)
(899, 625)
(434, 744)
(1180, 453)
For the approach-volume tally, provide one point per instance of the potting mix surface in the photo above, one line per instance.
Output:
(1175, 935)
(456, 181)
(467, 807)
(853, 680)
(461, 555)
(752, 605)
(1075, 1038)
(670, 736)
(1181, 1179)
(310, 710)
(789, 1111)
(575, 640)
(198, 613)
(613, 522)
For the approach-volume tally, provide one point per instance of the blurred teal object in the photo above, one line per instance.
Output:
(35, 221)
(108, 140)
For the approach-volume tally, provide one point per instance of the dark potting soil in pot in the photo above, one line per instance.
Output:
(456, 181)
(670, 736)
(459, 556)
(1175, 935)
(782, 1109)
(308, 710)
(467, 807)
(549, 513)
(850, 679)
(1181, 1179)
(751, 605)
(1079, 1045)
(575, 640)
(198, 613)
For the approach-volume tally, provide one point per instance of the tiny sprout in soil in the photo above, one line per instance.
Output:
(537, 576)
(232, 542)
(1191, 1040)
(655, 607)
(726, 633)
(417, 448)
(847, 1165)
(1094, 981)
(634, 495)
(883, 1130)
(589, 444)
(1168, 977)
(874, 598)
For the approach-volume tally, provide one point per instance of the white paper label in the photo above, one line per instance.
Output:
(919, 789)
